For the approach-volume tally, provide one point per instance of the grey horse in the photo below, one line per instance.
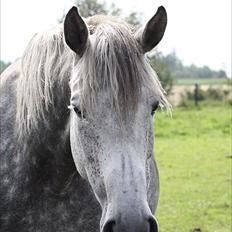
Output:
(77, 129)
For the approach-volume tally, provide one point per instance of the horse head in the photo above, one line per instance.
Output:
(114, 95)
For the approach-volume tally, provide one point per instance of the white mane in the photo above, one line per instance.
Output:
(46, 62)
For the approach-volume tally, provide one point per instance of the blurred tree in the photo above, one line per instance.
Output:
(163, 71)
(173, 61)
(179, 70)
(91, 7)
(114, 10)
(3, 65)
(204, 72)
(221, 73)
(134, 18)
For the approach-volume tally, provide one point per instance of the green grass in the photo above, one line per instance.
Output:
(193, 152)
(207, 81)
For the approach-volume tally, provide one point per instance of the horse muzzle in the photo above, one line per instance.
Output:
(128, 225)
(130, 220)
(126, 208)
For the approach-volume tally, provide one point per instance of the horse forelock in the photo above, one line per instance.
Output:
(113, 62)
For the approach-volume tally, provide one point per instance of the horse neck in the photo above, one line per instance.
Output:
(47, 147)
(53, 125)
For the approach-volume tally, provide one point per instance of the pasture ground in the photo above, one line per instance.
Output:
(193, 152)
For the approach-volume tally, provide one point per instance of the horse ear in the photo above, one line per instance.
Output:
(153, 31)
(75, 31)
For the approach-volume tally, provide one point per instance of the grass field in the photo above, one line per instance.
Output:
(206, 81)
(193, 152)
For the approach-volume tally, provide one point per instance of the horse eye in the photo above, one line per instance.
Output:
(78, 112)
(154, 108)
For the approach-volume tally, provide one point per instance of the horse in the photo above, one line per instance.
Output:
(77, 128)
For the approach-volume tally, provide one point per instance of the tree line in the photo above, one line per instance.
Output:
(179, 70)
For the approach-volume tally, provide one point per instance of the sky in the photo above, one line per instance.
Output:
(199, 31)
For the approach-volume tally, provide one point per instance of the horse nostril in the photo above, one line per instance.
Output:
(153, 225)
(109, 226)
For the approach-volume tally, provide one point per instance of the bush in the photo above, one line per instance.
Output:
(215, 94)
(209, 95)
(191, 95)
